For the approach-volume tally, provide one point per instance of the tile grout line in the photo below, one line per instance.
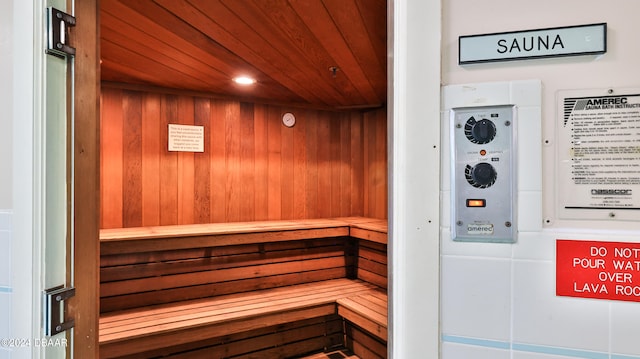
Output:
(532, 348)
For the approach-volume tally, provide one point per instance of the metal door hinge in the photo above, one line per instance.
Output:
(58, 24)
(54, 316)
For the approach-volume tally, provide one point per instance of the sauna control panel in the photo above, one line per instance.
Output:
(483, 191)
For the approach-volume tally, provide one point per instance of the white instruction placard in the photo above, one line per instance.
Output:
(186, 138)
(599, 154)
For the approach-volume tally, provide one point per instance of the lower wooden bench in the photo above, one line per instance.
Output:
(366, 310)
(366, 323)
(147, 329)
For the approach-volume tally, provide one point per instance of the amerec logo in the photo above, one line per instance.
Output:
(581, 104)
(595, 103)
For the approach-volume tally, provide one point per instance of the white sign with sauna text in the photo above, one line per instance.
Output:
(529, 44)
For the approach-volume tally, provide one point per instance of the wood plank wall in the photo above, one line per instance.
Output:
(330, 164)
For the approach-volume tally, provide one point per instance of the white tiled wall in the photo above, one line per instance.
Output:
(456, 350)
(625, 328)
(469, 297)
(498, 300)
(539, 317)
(5, 279)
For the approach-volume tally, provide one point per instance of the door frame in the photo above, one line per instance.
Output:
(27, 241)
(85, 306)
(414, 174)
(414, 177)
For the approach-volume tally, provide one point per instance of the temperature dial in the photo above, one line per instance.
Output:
(479, 132)
(482, 175)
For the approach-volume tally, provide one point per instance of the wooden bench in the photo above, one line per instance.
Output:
(368, 311)
(366, 314)
(181, 289)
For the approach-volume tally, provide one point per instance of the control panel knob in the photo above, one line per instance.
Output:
(480, 132)
(482, 175)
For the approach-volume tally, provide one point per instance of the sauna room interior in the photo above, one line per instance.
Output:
(268, 238)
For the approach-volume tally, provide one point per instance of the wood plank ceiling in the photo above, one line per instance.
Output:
(289, 46)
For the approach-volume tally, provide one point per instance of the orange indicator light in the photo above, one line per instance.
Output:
(476, 203)
(483, 152)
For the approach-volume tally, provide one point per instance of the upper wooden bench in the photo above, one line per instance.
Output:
(173, 285)
(129, 240)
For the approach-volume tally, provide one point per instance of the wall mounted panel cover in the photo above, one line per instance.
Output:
(483, 174)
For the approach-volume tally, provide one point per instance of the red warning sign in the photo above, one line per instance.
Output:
(601, 270)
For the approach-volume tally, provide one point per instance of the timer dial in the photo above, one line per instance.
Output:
(480, 132)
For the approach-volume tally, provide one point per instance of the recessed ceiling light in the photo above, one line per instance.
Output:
(244, 80)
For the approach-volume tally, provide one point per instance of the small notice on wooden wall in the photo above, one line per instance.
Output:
(185, 138)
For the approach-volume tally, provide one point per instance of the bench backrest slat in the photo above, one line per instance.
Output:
(372, 263)
(142, 279)
(140, 265)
